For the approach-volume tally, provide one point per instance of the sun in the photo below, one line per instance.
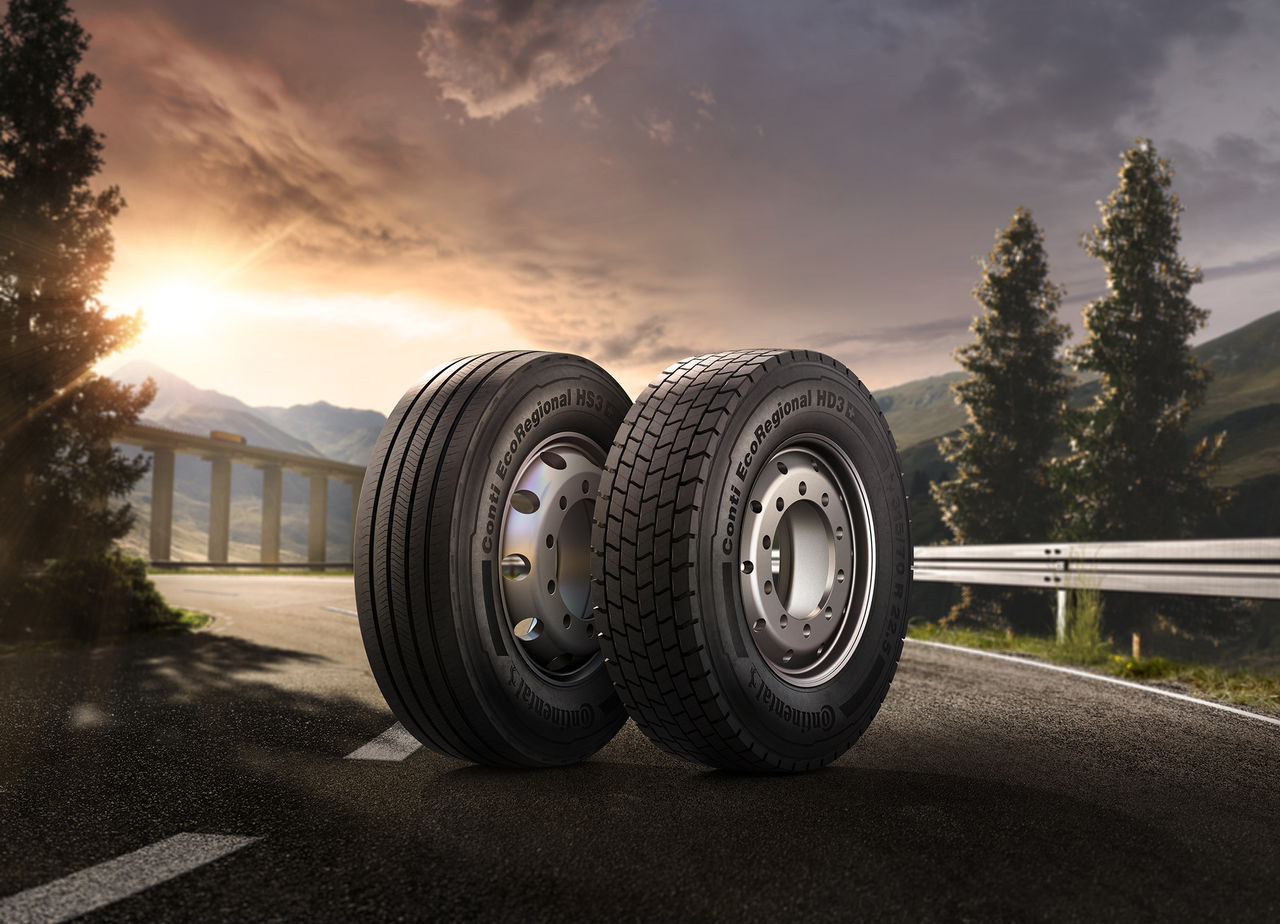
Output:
(177, 308)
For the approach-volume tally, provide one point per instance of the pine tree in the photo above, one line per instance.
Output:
(57, 466)
(1132, 472)
(1014, 395)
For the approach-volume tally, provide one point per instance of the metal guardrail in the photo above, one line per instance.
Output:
(1207, 567)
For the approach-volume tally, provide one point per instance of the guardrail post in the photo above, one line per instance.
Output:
(317, 525)
(272, 497)
(1062, 615)
(161, 531)
(219, 508)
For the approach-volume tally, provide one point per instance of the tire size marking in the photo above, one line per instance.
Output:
(581, 717)
(825, 399)
(542, 408)
(804, 720)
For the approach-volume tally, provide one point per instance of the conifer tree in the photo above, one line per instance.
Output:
(1014, 396)
(57, 466)
(1132, 473)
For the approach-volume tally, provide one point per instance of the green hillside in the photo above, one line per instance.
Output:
(1243, 401)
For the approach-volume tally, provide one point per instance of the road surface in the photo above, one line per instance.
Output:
(206, 776)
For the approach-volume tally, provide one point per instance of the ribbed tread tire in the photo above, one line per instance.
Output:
(447, 691)
(648, 575)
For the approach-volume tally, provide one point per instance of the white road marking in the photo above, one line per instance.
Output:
(1105, 679)
(393, 744)
(338, 609)
(92, 888)
(212, 593)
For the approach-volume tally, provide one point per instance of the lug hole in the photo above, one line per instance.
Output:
(586, 486)
(840, 576)
(783, 621)
(758, 625)
(768, 587)
(515, 567)
(525, 502)
(551, 540)
(551, 586)
(780, 503)
(755, 506)
(803, 488)
(748, 567)
(807, 630)
(767, 540)
(554, 459)
(568, 620)
(826, 498)
(564, 502)
(782, 467)
(786, 658)
(839, 532)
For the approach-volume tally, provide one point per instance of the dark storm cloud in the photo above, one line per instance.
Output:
(1043, 85)
(493, 56)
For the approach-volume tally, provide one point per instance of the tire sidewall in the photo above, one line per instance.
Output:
(788, 403)
(551, 394)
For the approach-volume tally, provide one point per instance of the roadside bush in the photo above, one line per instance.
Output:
(84, 599)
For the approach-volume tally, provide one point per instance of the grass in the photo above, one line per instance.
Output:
(184, 620)
(1255, 691)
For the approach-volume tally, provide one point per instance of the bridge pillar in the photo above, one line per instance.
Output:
(161, 504)
(355, 502)
(219, 508)
(272, 498)
(317, 524)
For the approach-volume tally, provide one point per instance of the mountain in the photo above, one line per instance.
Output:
(340, 433)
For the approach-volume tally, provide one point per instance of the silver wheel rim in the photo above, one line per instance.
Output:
(545, 556)
(808, 561)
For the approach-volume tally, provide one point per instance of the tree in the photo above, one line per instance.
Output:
(1132, 472)
(1015, 394)
(57, 466)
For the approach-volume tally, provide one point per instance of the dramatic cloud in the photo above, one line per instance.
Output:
(685, 176)
(493, 56)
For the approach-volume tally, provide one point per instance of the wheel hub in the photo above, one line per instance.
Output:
(545, 550)
(808, 557)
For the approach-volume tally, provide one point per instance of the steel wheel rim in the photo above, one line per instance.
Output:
(544, 556)
(807, 565)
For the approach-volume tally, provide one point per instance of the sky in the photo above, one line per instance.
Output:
(326, 198)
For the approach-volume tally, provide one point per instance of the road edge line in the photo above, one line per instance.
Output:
(1076, 672)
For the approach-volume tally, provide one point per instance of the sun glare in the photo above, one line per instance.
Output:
(177, 308)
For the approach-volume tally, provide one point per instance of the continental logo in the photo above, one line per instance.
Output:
(822, 719)
(564, 718)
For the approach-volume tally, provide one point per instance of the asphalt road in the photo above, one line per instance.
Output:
(985, 790)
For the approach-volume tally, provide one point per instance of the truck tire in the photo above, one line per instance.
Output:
(752, 560)
(472, 559)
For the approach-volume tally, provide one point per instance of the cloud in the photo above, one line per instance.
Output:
(493, 56)
(658, 129)
(227, 137)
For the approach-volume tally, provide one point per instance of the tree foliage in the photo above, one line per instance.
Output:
(57, 467)
(1132, 472)
(1015, 394)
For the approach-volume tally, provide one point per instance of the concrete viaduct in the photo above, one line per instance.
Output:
(221, 449)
